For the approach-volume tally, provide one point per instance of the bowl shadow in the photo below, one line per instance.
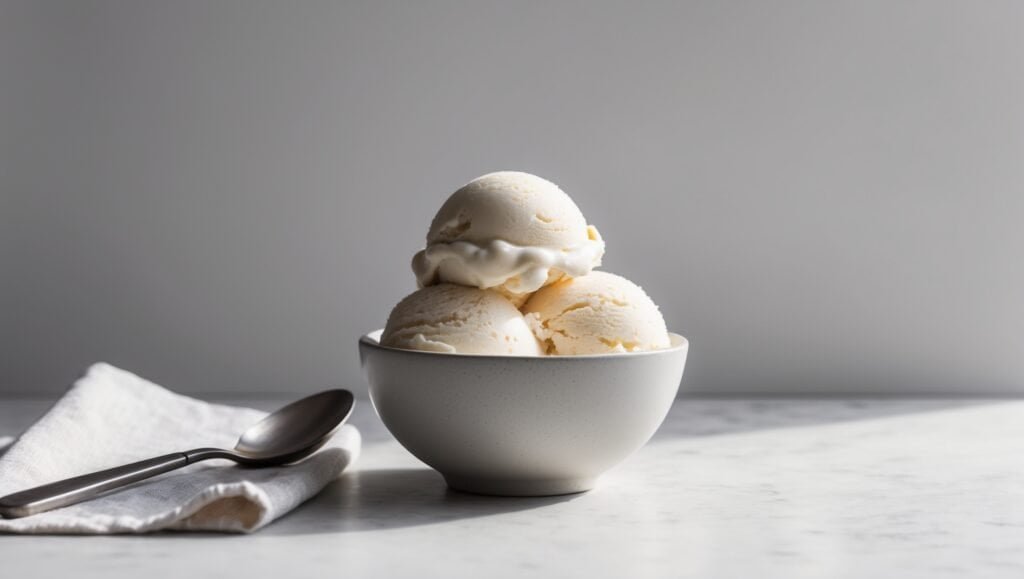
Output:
(381, 499)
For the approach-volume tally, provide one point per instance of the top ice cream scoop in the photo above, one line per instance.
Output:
(510, 231)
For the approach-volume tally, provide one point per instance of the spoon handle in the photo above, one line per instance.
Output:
(73, 490)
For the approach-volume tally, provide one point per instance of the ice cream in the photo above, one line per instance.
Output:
(598, 313)
(459, 320)
(511, 231)
(508, 270)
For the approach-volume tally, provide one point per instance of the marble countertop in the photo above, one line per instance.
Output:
(727, 488)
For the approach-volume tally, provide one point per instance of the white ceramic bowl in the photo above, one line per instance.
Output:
(517, 425)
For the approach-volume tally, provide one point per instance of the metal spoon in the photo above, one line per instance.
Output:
(287, 435)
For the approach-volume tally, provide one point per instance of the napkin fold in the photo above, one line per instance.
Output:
(112, 417)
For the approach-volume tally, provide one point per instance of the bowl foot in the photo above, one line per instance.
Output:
(520, 488)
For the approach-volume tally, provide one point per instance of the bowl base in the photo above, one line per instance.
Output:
(520, 488)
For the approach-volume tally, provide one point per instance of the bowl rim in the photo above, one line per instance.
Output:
(679, 343)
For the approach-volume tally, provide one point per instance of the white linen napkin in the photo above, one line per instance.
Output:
(112, 417)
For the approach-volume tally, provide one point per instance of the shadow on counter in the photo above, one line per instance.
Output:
(700, 416)
(379, 499)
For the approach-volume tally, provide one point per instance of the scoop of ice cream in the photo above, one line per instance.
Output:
(595, 314)
(457, 319)
(511, 231)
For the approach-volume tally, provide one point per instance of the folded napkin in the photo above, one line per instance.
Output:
(111, 417)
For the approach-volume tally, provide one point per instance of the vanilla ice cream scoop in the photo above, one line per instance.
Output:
(457, 319)
(511, 231)
(596, 314)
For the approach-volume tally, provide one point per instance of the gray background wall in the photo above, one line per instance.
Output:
(824, 196)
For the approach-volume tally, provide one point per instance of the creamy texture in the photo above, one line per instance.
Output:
(457, 319)
(511, 231)
(596, 314)
(499, 263)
